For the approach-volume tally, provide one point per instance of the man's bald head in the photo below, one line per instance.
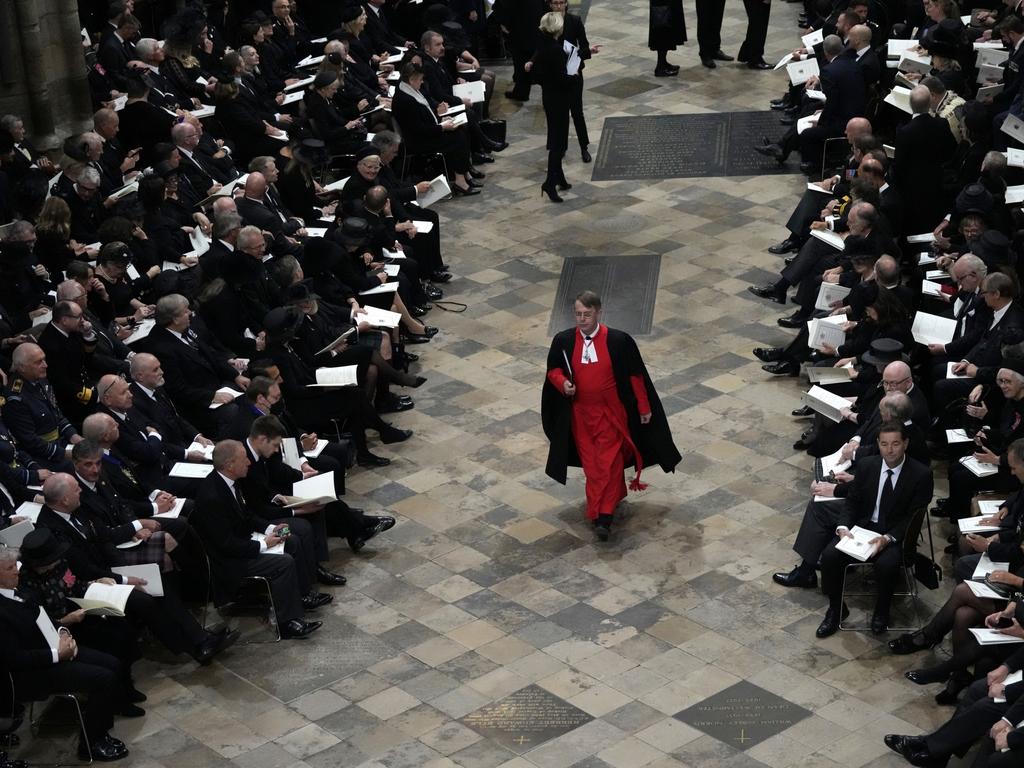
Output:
(920, 100)
(99, 427)
(859, 36)
(896, 377)
(856, 127)
(255, 185)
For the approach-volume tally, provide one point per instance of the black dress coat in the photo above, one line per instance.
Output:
(549, 70)
(653, 440)
(667, 26)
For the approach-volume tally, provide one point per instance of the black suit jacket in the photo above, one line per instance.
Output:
(114, 56)
(988, 351)
(89, 556)
(68, 357)
(161, 413)
(870, 67)
(379, 32)
(23, 646)
(106, 506)
(843, 85)
(256, 213)
(420, 128)
(226, 530)
(266, 479)
(972, 321)
(922, 146)
(913, 491)
(193, 374)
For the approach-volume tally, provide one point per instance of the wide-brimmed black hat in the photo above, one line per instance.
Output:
(281, 323)
(883, 352)
(350, 13)
(311, 152)
(365, 151)
(353, 231)
(324, 78)
(992, 247)
(41, 547)
(974, 199)
(301, 292)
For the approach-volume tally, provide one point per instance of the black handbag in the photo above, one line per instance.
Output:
(494, 130)
(926, 570)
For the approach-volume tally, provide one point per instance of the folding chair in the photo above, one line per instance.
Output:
(34, 724)
(908, 553)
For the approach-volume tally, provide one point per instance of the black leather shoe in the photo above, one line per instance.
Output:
(903, 744)
(430, 331)
(135, 696)
(440, 276)
(787, 119)
(792, 321)
(796, 578)
(376, 525)
(469, 191)
(830, 624)
(367, 459)
(214, 644)
(803, 412)
(782, 368)
(709, 63)
(432, 293)
(806, 441)
(417, 338)
(777, 104)
(666, 71)
(104, 749)
(879, 623)
(585, 155)
(603, 531)
(419, 310)
(390, 435)
(330, 578)
(721, 55)
(394, 405)
(479, 158)
(789, 245)
(477, 174)
(314, 600)
(926, 676)
(297, 628)
(497, 146)
(769, 291)
(807, 168)
(773, 151)
(905, 644)
(474, 183)
(131, 710)
(517, 95)
(768, 354)
(760, 64)
(411, 357)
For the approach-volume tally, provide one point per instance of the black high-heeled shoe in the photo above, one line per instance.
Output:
(551, 193)
(948, 696)
(563, 184)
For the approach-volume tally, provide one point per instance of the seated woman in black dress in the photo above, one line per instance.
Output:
(422, 131)
(340, 135)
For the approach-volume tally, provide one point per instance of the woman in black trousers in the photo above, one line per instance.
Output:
(549, 70)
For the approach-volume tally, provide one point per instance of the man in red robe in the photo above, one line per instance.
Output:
(600, 412)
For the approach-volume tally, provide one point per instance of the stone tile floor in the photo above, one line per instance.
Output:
(491, 582)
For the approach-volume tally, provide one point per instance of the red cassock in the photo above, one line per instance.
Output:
(599, 425)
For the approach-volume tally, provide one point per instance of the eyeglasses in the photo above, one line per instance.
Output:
(892, 384)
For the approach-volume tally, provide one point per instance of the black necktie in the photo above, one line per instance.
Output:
(885, 502)
(239, 498)
(79, 526)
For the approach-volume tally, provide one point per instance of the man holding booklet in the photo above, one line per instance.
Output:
(882, 498)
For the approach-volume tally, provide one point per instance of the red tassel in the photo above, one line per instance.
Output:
(636, 485)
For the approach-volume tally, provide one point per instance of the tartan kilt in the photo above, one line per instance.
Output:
(149, 551)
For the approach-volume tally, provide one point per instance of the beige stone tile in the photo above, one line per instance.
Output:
(388, 703)
(307, 741)
(630, 753)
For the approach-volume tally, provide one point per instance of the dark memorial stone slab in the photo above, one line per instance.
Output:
(743, 715)
(526, 718)
(624, 87)
(627, 285)
(686, 146)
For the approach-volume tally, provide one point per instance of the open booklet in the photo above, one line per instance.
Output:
(338, 341)
(13, 535)
(859, 547)
(340, 376)
(974, 525)
(191, 470)
(474, 91)
(225, 391)
(986, 636)
(29, 509)
(829, 293)
(823, 331)
(933, 329)
(979, 468)
(149, 572)
(828, 404)
(381, 318)
(318, 489)
(439, 190)
(986, 566)
(104, 599)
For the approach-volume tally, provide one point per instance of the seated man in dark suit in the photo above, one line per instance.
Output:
(980, 363)
(142, 444)
(88, 557)
(226, 523)
(69, 339)
(40, 670)
(886, 491)
(193, 370)
(152, 402)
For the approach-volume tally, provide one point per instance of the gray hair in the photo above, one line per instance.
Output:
(167, 307)
(383, 140)
(146, 47)
(225, 451)
(226, 223)
(832, 46)
(979, 267)
(89, 174)
(247, 236)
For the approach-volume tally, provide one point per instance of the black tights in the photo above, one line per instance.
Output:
(663, 58)
(961, 611)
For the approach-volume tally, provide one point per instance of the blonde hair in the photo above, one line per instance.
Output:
(552, 23)
(55, 217)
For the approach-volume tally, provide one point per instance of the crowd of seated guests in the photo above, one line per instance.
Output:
(211, 296)
(907, 252)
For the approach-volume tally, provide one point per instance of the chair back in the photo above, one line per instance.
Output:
(909, 543)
